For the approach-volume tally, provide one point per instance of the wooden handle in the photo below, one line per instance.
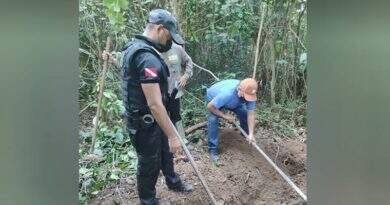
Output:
(101, 88)
(108, 44)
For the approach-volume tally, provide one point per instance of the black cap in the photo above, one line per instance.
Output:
(165, 18)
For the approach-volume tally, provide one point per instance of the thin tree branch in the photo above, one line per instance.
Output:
(258, 43)
(211, 73)
(296, 36)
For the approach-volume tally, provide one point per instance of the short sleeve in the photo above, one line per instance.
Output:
(251, 105)
(149, 67)
(220, 100)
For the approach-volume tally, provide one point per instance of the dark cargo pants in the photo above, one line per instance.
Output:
(153, 153)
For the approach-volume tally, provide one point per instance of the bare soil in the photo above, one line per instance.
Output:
(245, 177)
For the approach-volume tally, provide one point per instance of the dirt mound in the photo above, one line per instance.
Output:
(244, 177)
(289, 154)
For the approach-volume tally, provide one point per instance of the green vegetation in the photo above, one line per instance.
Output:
(221, 35)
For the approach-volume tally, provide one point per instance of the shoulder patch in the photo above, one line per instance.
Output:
(151, 72)
(173, 58)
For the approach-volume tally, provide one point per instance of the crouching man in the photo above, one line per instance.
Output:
(234, 95)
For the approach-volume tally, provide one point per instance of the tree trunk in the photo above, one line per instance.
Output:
(296, 54)
(175, 9)
(258, 42)
(272, 69)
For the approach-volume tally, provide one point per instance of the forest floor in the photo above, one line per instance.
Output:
(245, 177)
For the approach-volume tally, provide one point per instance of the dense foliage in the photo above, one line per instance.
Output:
(221, 35)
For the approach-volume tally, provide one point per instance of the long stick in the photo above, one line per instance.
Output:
(195, 127)
(101, 88)
(203, 182)
(285, 177)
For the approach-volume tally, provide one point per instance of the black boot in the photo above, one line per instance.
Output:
(147, 174)
(182, 187)
(155, 202)
(163, 202)
(146, 191)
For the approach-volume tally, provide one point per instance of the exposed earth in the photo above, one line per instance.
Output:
(245, 177)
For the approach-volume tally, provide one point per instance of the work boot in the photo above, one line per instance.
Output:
(182, 187)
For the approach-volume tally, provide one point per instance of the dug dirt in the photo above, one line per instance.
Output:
(244, 177)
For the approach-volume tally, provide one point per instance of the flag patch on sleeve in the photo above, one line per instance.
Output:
(151, 72)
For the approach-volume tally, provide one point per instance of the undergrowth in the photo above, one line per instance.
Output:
(119, 159)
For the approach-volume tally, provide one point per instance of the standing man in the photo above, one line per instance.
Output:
(234, 95)
(145, 90)
(177, 59)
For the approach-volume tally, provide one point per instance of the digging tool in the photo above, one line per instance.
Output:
(192, 162)
(285, 177)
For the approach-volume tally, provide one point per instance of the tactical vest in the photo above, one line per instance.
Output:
(133, 96)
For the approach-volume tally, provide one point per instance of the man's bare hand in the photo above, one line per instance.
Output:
(230, 118)
(251, 139)
(183, 82)
(174, 145)
(106, 56)
(181, 157)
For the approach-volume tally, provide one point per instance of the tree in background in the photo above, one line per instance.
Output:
(221, 35)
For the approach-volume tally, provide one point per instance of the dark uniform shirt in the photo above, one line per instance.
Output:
(142, 64)
(149, 68)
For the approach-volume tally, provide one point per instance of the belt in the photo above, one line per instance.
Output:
(139, 120)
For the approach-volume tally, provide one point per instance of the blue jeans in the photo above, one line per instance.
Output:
(213, 124)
